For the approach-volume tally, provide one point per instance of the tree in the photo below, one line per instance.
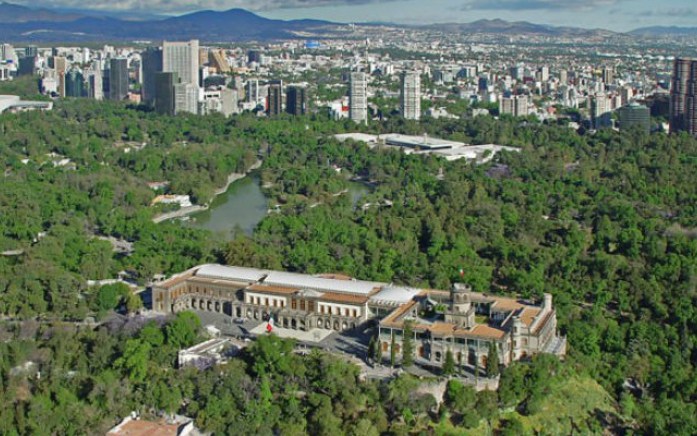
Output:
(182, 331)
(133, 302)
(378, 351)
(371, 348)
(393, 351)
(492, 361)
(449, 364)
(134, 359)
(408, 344)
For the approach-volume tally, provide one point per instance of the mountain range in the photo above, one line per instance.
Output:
(20, 23)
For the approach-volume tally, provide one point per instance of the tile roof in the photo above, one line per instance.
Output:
(267, 289)
(344, 298)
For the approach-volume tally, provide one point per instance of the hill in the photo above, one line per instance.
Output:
(21, 23)
(665, 31)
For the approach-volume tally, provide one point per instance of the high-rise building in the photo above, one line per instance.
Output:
(8, 53)
(181, 58)
(358, 97)
(118, 79)
(151, 60)
(27, 66)
(74, 84)
(410, 95)
(608, 75)
(31, 51)
(683, 96)
(95, 85)
(563, 77)
(296, 100)
(252, 91)
(275, 99)
(483, 84)
(60, 64)
(164, 93)
(217, 60)
(516, 105)
(601, 111)
(254, 56)
(185, 98)
(634, 116)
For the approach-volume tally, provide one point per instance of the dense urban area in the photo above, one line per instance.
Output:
(455, 233)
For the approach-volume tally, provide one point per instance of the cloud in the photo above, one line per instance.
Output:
(532, 5)
(171, 6)
(684, 13)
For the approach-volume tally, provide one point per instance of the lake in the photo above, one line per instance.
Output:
(244, 205)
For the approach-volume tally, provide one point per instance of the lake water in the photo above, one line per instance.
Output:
(244, 205)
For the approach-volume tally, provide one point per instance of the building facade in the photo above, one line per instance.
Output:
(118, 79)
(683, 96)
(410, 95)
(274, 100)
(181, 58)
(296, 100)
(465, 322)
(635, 116)
(358, 97)
(151, 61)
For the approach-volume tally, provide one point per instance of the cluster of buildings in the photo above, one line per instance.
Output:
(592, 89)
(467, 323)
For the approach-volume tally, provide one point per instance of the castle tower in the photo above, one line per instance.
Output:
(461, 311)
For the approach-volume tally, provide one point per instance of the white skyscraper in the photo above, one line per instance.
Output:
(181, 58)
(358, 97)
(185, 98)
(410, 97)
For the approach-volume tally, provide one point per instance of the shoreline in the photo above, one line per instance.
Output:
(185, 211)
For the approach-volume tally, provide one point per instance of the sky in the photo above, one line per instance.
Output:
(617, 15)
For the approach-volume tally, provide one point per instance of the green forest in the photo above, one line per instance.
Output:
(606, 223)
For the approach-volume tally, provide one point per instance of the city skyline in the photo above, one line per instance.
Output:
(615, 15)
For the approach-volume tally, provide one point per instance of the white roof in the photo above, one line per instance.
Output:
(395, 295)
(293, 280)
(231, 273)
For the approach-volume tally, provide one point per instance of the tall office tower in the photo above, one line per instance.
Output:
(252, 91)
(626, 95)
(118, 79)
(185, 98)
(151, 60)
(601, 111)
(218, 60)
(563, 77)
(181, 58)
(483, 84)
(516, 105)
(60, 64)
(95, 85)
(358, 97)
(410, 96)
(74, 84)
(253, 56)
(683, 96)
(27, 66)
(296, 100)
(7, 53)
(164, 92)
(275, 99)
(31, 51)
(633, 116)
(202, 56)
(544, 73)
(608, 75)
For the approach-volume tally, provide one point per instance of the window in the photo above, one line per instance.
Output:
(302, 304)
(310, 306)
(355, 313)
(266, 302)
(294, 304)
(321, 309)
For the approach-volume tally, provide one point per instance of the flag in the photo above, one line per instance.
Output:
(269, 327)
(462, 272)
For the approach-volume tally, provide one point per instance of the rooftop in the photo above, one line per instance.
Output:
(231, 273)
(303, 281)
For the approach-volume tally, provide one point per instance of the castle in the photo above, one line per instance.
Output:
(465, 322)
